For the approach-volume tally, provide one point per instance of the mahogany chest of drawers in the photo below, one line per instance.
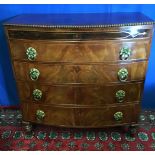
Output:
(80, 70)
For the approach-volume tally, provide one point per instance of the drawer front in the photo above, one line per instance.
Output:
(92, 51)
(97, 73)
(82, 117)
(112, 33)
(53, 115)
(99, 117)
(80, 94)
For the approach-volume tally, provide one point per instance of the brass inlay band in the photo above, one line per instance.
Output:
(83, 26)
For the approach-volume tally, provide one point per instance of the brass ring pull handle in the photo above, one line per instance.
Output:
(125, 53)
(120, 95)
(123, 74)
(31, 53)
(34, 74)
(118, 116)
(37, 94)
(40, 115)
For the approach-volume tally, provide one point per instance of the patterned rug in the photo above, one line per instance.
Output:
(13, 137)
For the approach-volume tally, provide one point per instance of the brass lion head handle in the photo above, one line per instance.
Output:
(123, 74)
(34, 74)
(40, 115)
(120, 95)
(37, 94)
(31, 53)
(125, 53)
(118, 116)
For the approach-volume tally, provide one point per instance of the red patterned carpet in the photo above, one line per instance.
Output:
(13, 137)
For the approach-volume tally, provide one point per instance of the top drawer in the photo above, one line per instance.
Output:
(79, 51)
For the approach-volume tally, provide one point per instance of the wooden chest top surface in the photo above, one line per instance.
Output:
(80, 19)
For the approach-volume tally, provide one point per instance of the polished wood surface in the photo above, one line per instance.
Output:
(80, 73)
(79, 52)
(74, 36)
(105, 116)
(106, 95)
(80, 94)
(51, 94)
(53, 115)
(82, 117)
(75, 20)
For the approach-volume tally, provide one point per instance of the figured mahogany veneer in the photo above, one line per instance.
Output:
(82, 116)
(78, 62)
(80, 94)
(79, 52)
(80, 73)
